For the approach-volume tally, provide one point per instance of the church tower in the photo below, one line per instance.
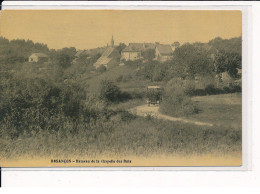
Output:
(112, 41)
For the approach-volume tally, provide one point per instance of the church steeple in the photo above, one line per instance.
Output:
(112, 41)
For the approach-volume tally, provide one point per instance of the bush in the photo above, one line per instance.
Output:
(36, 104)
(235, 88)
(199, 92)
(137, 94)
(126, 116)
(178, 105)
(176, 102)
(189, 87)
(124, 96)
(110, 93)
(226, 89)
(119, 78)
(211, 90)
(101, 69)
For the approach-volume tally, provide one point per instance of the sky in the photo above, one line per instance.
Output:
(86, 29)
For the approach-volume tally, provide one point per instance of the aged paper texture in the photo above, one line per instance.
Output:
(120, 88)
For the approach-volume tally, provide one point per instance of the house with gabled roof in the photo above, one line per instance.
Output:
(134, 51)
(164, 52)
(109, 58)
(38, 58)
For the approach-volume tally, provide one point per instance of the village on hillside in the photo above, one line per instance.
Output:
(112, 55)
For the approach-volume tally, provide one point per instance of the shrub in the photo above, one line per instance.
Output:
(119, 78)
(178, 105)
(110, 93)
(226, 89)
(176, 102)
(126, 116)
(101, 69)
(212, 90)
(137, 94)
(189, 87)
(36, 104)
(124, 96)
(199, 92)
(235, 88)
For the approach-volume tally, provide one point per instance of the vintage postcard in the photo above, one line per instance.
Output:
(120, 88)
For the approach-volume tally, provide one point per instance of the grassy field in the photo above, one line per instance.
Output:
(128, 82)
(138, 137)
(220, 110)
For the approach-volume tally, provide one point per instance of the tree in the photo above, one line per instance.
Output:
(64, 60)
(176, 44)
(233, 45)
(160, 72)
(120, 47)
(148, 70)
(109, 92)
(18, 50)
(65, 56)
(229, 62)
(148, 54)
(189, 60)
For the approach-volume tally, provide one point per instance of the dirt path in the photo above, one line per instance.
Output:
(144, 110)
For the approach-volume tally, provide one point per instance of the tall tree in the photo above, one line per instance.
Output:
(189, 60)
(120, 47)
(65, 56)
(176, 44)
(228, 61)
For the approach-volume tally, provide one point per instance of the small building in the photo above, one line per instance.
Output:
(109, 58)
(38, 58)
(163, 52)
(134, 51)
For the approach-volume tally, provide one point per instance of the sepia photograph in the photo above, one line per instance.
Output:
(120, 88)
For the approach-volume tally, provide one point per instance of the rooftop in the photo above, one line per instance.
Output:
(164, 49)
(138, 47)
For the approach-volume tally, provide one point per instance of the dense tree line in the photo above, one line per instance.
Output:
(18, 50)
(197, 59)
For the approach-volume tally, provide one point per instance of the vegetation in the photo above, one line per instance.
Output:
(62, 107)
(229, 62)
(65, 57)
(120, 47)
(222, 110)
(18, 51)
(134, 137)
(149, 54)
(176, 101)
(109, 92)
